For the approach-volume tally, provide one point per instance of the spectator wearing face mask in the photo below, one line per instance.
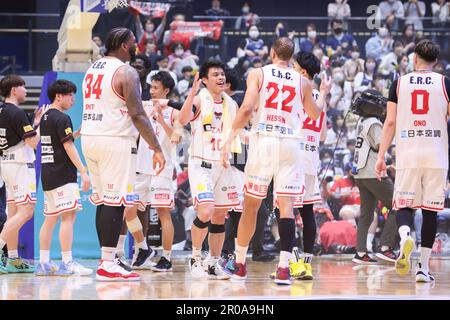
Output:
(252, 47)
(311, 41)
(181, 58)
(339, 41)
(441, 18)
(403, 65)
(353, 66)
(390, 11)
(185, 83)
(380, 44)
(340, 9)
(163, 65)
(363, 80)
(324, 60)
(149, 31)
(414, 12)
(388, 64)
(341, 91)
(248, 18)
(408, 38)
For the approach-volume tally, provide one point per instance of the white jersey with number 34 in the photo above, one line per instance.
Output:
(421, 122)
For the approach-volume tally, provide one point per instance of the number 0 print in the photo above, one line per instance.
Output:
(416, 107)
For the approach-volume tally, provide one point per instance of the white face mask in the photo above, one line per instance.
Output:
(245, 9)
(312, 34)
(254, 34)
(383, 32)
(370, 66)
(179, 52)
(338, 77)
(355, 55)
(149, 28)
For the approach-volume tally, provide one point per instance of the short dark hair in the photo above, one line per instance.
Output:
(8, 82)
(160, 58)
(336, 20)
(187, 69)
(427, 50)
(165, 78)
(398, 43)
(232, 78)
(116, 37)
(204, 69)
(60, 87)
(309, 62)
(284, 48)
(146, 60)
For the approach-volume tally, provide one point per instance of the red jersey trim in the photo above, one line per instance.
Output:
(112, 84)
(443, 88)
(262, 80)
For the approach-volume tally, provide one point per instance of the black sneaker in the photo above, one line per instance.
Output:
(163, 265)
(365, 259)
(143, 259)
(122, 263)
(262, 257)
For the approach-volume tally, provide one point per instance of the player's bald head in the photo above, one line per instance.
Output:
(283, 48)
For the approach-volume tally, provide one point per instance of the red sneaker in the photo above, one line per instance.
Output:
(283, 276)
(110, 271)
(237, 271)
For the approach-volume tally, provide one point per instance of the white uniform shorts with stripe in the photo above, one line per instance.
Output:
(212, 183)
(62, 199)
(111, 162)
(154, 190)
(273, 158)
(20, 181)
(238, 177)
(312, 192)
(420, 188)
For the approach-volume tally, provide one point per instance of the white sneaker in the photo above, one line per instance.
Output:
(111, 271)
(197, 270)
(403, 263)
(78, 269)
(423, 275)
(215, 273)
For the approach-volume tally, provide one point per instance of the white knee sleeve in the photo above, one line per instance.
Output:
(134, 225)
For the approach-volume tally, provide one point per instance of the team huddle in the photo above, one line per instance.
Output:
(129, 147)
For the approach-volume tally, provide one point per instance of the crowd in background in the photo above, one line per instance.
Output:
(354, 66)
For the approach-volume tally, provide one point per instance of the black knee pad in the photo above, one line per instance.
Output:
(199, 224)
(216, 228)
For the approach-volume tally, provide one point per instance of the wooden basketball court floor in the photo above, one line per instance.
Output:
(336, 277)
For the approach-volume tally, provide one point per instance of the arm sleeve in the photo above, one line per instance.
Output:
(23, 126)
(178, 105)
(64, 130)
(393, 92)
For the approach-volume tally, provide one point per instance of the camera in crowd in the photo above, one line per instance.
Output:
(370, 103)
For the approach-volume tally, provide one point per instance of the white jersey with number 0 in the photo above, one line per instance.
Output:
(280, 109)
(104, 110)
(421, 123)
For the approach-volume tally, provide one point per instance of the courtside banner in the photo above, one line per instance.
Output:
(85, 241)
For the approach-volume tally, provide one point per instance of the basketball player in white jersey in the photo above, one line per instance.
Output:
(279, 94)
(213, 189)
(113, 117)
(417, 117)
(156, 190)
(314, 132)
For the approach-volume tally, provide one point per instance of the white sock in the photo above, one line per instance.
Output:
(425, 254)
(361, 254)
(241, 254)
(196, 254)
(235, 243)
(384, 248)
(296, 254)
(307, 257)
(108, 254)
(2, 243)
(212, 260)
(167, 254)
(13, 254)
(121, 245)
(284, 259)
(142, 245)
(404, 232)
(369, 245)
(44, 256)
(66, 256)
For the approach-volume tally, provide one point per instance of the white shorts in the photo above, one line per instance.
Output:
(62, 199)
(312, 192)
(238, 177)
(153, 190)
(20, 181)
(420, 188)
(111, 162)
(212, 183)
(273, 158)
